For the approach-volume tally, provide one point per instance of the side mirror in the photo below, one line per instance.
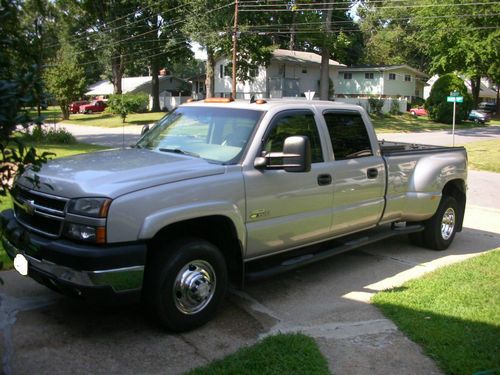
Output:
(296, 156)
(145, 129)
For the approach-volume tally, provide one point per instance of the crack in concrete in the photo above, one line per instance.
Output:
(196, 349)
(9, 307)
(401, 261)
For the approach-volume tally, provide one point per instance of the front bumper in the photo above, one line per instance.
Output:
(91, 272)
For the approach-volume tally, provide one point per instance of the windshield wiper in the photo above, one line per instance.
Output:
(179, 151)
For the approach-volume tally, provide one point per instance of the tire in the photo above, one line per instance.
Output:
(89, 111)
(440, 229)
(185, 283)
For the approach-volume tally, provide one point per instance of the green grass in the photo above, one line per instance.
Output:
(453, 313)
(112, 121)
(484, 155)
(60, 151)
(280, 354)
(407, 123)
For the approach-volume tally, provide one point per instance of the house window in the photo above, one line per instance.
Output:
(392, 76)
(407, 78)
(368, 75)
(347, 75)
(304, 70)
(221, 71)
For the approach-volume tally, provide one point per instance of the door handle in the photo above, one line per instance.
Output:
(372, 173)
(324, 179)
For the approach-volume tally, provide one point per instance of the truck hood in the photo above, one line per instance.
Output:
(115, 172)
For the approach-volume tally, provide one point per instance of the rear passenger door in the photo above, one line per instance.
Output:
(286, 209)
(358, 174)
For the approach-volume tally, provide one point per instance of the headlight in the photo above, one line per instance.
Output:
(86, 233)
(93, 207)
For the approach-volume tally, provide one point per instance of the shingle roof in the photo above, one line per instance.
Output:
(300, 57)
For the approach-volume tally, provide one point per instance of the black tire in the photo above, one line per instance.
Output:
(181, 303)
(441, 228)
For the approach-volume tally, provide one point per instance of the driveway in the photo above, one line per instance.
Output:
(44, 333)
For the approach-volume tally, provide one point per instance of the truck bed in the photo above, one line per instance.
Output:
(388, 148)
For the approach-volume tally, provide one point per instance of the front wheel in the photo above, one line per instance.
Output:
(441, 228)
(185, 283)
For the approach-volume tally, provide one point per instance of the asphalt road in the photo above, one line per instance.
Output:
(44, 333)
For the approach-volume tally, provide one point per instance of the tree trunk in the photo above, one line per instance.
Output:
(65, 110)
(497, 111)
(155, 85)
(209, 82)
(324, 82)
(117, 73)
(475, 86)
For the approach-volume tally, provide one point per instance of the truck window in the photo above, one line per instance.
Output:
(348, 135)
(294, 123)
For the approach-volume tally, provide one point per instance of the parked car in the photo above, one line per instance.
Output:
(487, 107)
(94, 106)
(479, 116)
(418, 112)
(222, 191)
(75, 106)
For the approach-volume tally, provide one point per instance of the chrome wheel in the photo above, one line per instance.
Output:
(448, 223)
(194, 287)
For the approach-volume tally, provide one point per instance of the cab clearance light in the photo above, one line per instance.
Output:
(219, 100)
(260, 101)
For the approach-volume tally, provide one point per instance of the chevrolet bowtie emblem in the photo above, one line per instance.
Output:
(29, 207)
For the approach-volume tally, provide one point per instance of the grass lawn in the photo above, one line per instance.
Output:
(453, 313)
(484, 155)
(408, 123)
(113, 121)
(280, 354)
(60, 151)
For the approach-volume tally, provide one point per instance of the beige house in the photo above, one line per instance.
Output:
(390, 81)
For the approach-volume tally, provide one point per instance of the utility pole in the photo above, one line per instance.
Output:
(235, 37)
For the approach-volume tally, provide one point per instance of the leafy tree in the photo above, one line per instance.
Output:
(439, 109)
(123, 104)
(65, 79)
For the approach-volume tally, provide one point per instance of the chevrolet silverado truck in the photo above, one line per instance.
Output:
(222, 192)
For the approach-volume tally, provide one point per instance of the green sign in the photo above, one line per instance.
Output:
(454, 93)
(455, 99)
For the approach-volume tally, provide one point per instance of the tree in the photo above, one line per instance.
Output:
(65, 79)
(437, 106)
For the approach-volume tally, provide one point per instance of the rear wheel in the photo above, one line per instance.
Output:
(185, 283)
(440, 229)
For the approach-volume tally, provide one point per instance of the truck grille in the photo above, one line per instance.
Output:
(39, 212)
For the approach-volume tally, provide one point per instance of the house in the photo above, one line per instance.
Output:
(289, 74)
(170, 89)
(486, 92)
(384, 81)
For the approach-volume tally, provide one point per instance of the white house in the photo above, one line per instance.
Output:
(289, 74)
(170, 89)
(387, 81)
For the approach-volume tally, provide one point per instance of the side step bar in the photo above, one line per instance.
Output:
(299, 261)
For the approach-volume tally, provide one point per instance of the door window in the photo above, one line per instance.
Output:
(291, 124)
(348, 135)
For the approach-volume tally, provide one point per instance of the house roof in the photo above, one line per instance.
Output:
(381, 68)
(300, 57)
(129, 84)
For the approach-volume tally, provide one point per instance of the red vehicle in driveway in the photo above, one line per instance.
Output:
(75, 106)
(95, 106)
(418, 112)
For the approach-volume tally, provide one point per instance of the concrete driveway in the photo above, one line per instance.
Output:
(44, 333)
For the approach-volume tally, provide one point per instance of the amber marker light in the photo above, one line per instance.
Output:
(219, 100)
(100, 235)
(103, 212)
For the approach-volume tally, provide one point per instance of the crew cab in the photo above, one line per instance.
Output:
(222, 192)
(94, 106)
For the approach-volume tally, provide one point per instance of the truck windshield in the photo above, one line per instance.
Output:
(215, 134)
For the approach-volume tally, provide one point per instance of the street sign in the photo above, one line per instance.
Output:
(454, 93)
(455, 99)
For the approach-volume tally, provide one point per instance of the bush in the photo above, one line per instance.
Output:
(394, 107)
(376, 105)
(52, 136)
(439, 109)
(126, 103)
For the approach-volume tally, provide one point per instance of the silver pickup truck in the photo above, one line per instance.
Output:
(226, 191)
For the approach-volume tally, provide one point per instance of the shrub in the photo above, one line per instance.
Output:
(376, 105)
(126, 103)
(439, 109)
(394, 107)
(52, 136)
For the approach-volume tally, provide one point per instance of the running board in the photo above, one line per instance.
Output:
(299, 261)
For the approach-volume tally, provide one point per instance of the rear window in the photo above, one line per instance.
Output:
(348, 135)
